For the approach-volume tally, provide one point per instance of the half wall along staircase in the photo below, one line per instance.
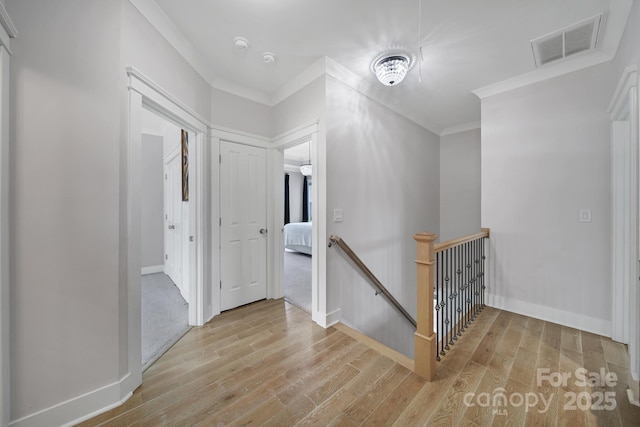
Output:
(450, 292)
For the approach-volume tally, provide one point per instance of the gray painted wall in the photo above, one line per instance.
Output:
(232, 111)
(69, 297)
(152, 201)
(459, 184)
(545, 156)
(65, 184)
(383, 172)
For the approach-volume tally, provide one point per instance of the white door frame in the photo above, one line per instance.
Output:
(624, 111)
(7, 32)
(313, 133)
(144, 93)
(218, 134)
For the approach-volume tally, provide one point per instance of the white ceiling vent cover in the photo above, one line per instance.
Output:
(580, 37)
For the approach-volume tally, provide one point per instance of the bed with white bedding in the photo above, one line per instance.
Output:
(297, 237)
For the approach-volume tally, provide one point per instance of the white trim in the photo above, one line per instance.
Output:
(333, 318)
(5, 224)
(618, 102)
(242, 91)
(161, 22)
(460, 128)
(624, 111)
(614, 29)
(152, 270)
(6, 22)
(240, 137)
(310, 74)
(293, 136)
(541, 74)
(549, 314)
(377, 93)
(74, 410)
(147, 87)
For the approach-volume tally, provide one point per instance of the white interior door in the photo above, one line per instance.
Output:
(174, 224)
(243, 218)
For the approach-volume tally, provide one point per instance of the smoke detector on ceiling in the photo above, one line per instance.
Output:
(576, 38)
(241, 43)
(268, 57)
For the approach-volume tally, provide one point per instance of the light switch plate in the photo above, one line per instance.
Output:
(337, 215)
(585, 215)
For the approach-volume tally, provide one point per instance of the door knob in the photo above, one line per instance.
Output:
(172, 227)
(263, 231)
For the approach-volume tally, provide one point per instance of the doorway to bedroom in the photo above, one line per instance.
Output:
(298, 217)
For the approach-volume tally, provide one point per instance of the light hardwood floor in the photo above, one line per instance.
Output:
(268, 364)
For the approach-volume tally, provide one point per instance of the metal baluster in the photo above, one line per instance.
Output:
(443, 304)
(437, 307)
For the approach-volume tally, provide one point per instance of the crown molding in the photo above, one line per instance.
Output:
(460, 128)
(542, 74)
(308, 75)
(7, 23)
(628, 80)
(376, 93)
(617, 17)
(242, 91)
(8, 30)
(167, 29)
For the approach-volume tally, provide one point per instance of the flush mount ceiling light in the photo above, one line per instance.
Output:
(392, 67)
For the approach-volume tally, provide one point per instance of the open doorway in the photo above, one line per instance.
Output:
(298, 217)
(164, 238)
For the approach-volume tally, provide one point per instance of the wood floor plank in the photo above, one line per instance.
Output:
(629, 415)
(452, 408)
(269, 364)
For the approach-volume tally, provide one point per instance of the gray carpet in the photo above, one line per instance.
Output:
(297, 280)
(165, 316)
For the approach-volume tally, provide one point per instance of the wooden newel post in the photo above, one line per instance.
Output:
(425, 337)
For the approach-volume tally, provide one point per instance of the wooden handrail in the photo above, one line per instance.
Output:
(443, 246)
(379, 286)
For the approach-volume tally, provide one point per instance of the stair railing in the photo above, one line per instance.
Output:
(450, 292)
(380, 289)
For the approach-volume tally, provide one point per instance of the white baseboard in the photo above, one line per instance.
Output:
(327, 320)
(549, 314)
(78, 409)
(153, 269)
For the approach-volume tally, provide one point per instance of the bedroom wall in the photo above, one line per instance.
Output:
(152, 202)
(383, 172)
(295, 196)
(65, 163)
(545, 156)
(459, 184)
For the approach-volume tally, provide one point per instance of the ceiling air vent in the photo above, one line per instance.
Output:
(580, 37)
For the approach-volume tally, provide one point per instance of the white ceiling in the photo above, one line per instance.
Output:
(297, 155)
(466, 44)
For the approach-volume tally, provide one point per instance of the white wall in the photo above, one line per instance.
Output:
(65, 178)
(234, 112)
(629, 54)
(383, 172)
(545, 156)
(459, 184)
(152, 201)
